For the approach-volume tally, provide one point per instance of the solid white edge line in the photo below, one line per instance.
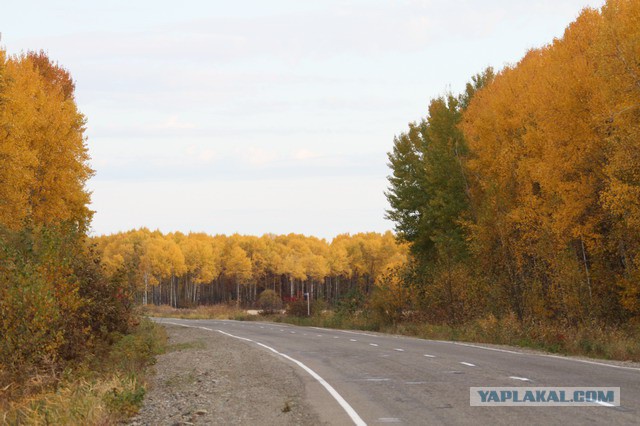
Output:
(621, 367)
(584, 361)
(334, 393)
(606, 404)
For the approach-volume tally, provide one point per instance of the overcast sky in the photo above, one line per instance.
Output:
(264, 116)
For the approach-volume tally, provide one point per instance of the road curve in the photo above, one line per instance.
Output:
(395, 379)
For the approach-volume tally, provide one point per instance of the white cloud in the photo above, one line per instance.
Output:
(305, 154)
(174, 123)
(257, 156)
(199, 155)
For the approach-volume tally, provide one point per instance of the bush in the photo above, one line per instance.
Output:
(105, 395)
(38, 301)
(298, 308)
(29, 322)
(351, 303)
(125, 401)
(56, 306)
(388, 300)
(269, 302)
(133, 352)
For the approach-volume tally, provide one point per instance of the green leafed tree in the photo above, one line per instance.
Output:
(428, 194)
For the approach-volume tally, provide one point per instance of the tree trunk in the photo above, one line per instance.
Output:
(146, 289)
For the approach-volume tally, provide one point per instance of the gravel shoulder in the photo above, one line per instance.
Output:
(208, 378)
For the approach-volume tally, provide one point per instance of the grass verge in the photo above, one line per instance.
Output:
(594, 340)
(104, 390)
(221, 311)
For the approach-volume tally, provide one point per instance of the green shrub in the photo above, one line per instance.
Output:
(126, 401)
(133, 352)
(56, 306)
(269, 302)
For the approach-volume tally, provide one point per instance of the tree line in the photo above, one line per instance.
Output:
(184, 270)
(521, 196)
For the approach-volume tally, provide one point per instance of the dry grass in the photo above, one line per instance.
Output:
(103, 392)
(104, 401)
(220, 311)
(594, 340)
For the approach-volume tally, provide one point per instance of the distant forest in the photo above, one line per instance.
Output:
(187, 270)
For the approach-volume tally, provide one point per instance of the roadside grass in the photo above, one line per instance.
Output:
(196, 344)
(593, 340)
(220, 311)
(104, 390)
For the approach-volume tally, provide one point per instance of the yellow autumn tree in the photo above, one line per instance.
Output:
(553, 164)
(237, 266)
(42, 142)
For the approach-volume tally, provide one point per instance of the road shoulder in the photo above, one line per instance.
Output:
(207, 378)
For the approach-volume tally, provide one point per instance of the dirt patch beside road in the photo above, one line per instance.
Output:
(208, 378)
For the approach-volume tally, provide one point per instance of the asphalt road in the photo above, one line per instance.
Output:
(395, 379)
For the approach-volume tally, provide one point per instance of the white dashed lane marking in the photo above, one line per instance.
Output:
(523, 379)
(468, 364)
(429, 356)
(352, 340)
(347, 331)
(398, 349)
(372, 344)
(486, 348)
